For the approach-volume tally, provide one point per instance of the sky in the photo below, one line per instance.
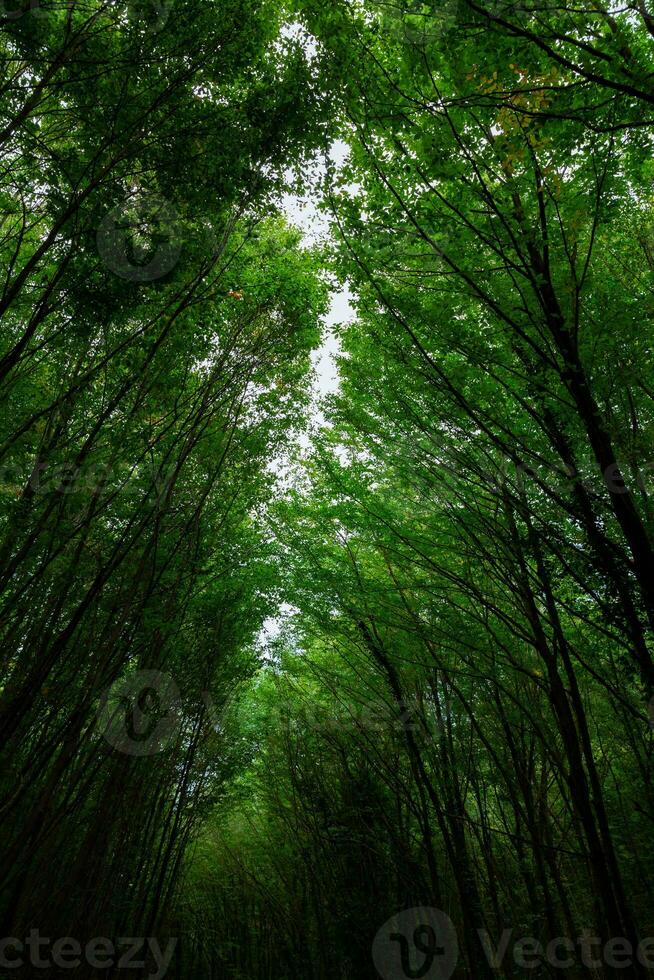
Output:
(302, 212)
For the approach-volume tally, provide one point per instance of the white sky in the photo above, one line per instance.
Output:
(302, 212)
(340, 311)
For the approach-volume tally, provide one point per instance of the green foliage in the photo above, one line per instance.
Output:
(459, 562)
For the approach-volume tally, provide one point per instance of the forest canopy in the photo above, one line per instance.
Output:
(347, 686)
